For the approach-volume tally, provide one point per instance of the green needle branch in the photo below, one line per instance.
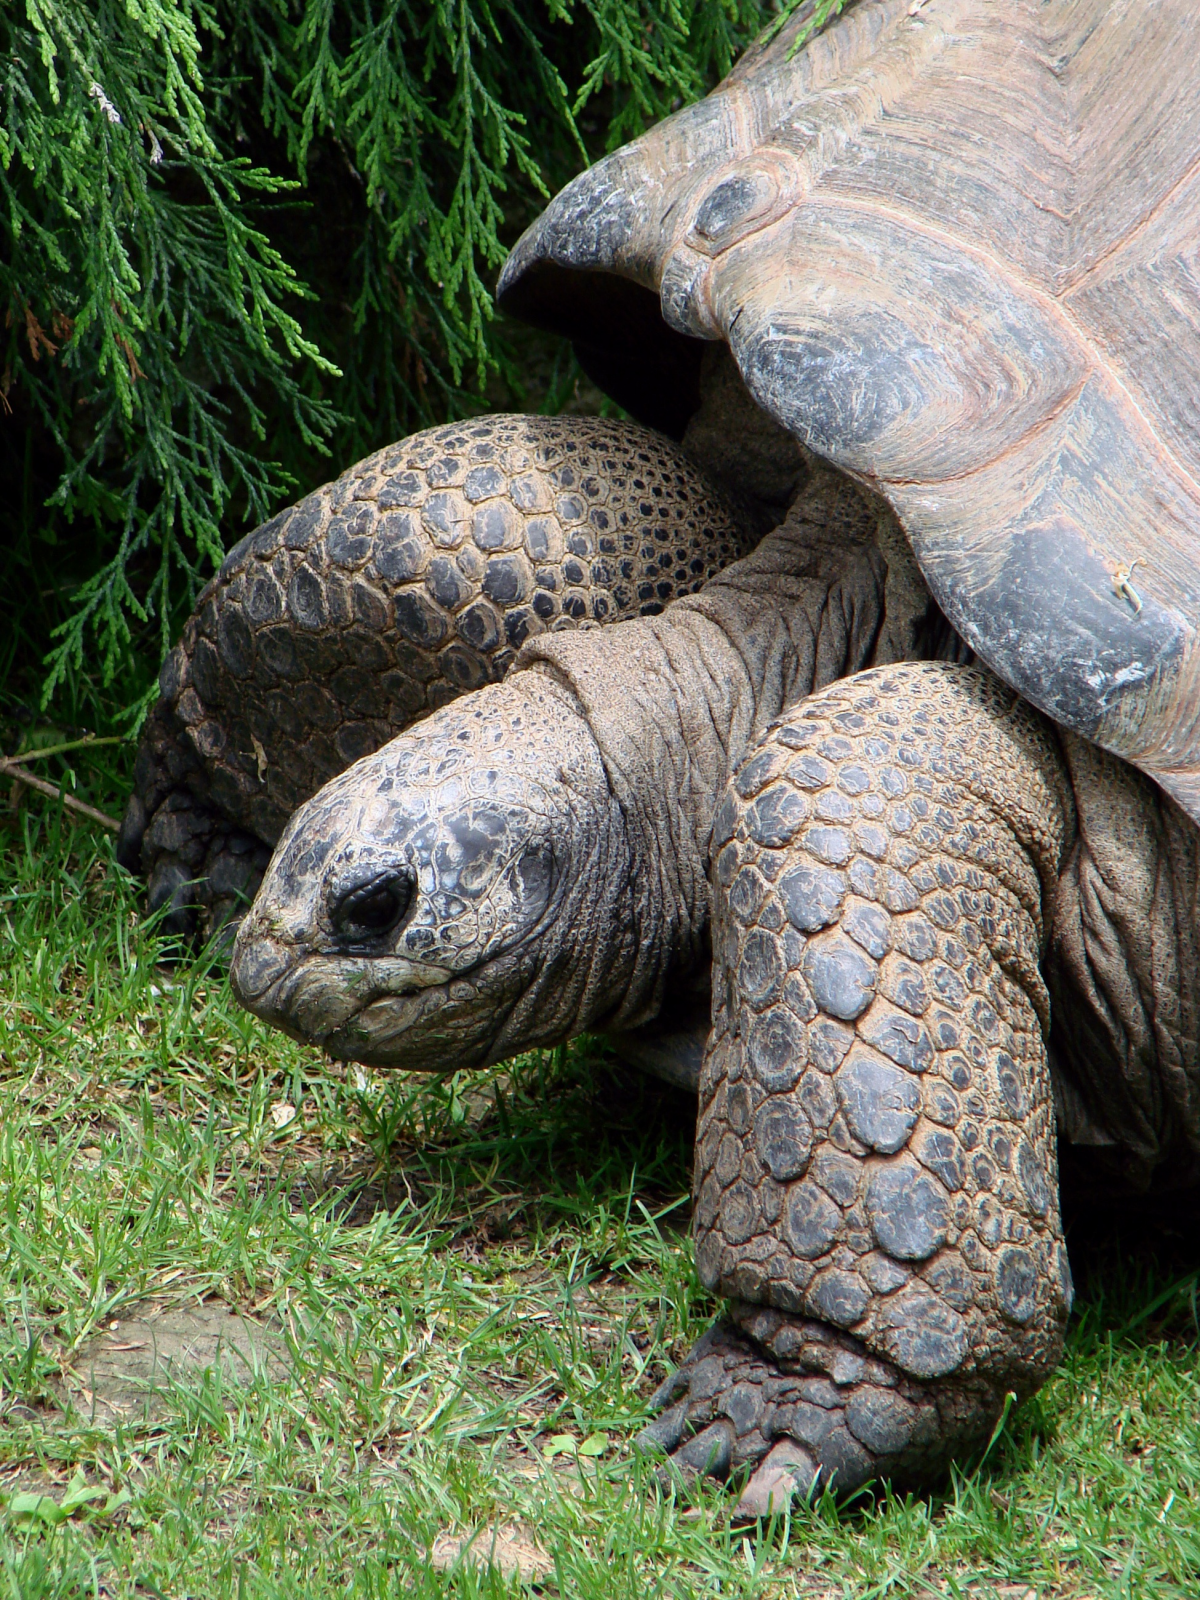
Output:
(243, 244)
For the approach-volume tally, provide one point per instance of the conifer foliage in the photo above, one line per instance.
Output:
(244, 241)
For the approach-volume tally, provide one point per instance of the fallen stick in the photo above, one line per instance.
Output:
(88, 742)
(11, 770)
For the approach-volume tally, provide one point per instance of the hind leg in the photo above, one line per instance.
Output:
(876, 1189)
(201, 870)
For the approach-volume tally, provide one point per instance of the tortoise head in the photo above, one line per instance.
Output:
(423, 908)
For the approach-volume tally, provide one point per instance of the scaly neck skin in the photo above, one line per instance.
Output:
(676, 702)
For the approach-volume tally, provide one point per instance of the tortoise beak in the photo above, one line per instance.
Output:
(279, 984)
(257, 965)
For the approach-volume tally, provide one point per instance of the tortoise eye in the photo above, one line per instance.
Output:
(371, 910)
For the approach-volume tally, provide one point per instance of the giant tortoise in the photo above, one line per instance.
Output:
(829, 736)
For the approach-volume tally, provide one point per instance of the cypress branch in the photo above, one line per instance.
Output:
(239, 239)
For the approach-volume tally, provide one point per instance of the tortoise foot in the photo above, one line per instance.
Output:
(795, 1406)
(201, 872)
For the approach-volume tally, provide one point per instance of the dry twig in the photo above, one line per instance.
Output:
(10, 769)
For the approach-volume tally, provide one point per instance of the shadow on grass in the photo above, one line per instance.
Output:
(558, 1131)
(1136, 1263)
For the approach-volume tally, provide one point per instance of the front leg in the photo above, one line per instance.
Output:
(875, 1168)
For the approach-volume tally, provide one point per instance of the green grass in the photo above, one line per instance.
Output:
(458, 1272)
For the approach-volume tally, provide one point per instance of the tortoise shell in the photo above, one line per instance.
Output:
(954, 248)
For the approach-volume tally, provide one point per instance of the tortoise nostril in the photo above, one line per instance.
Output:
(368, 911)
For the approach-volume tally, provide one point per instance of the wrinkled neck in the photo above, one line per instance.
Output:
(675, 703)
(600, 955)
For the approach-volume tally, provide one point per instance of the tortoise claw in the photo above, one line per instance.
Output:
(787, 1473)
(707, 1454)
(663, 1434)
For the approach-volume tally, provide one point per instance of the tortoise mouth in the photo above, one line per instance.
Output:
(282, 985)
(388, 1032)
(381, 1011)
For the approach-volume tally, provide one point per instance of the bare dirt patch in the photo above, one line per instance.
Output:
(511, 1550)
(127, 1371)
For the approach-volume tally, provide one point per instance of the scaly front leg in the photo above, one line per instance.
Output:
(875, 1163)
